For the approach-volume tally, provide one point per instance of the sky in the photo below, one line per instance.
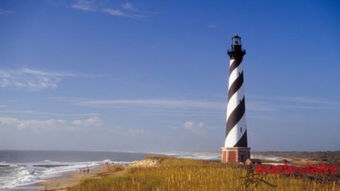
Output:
(151, 76)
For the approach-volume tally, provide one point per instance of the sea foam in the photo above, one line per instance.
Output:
(20, 174)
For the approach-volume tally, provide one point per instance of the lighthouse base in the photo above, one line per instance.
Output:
(235, 154)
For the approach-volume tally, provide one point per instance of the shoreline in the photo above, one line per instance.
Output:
(75, 178)
(61, 181)
(70, 179)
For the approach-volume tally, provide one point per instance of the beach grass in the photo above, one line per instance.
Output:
(189, 174)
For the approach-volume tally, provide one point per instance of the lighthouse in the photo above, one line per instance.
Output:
(236, 148)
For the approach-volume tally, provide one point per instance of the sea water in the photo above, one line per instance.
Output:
(21, 168)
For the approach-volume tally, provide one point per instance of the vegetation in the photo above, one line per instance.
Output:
(187, 174)
(330, 157)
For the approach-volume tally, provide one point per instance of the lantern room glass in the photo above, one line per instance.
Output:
(236, 40)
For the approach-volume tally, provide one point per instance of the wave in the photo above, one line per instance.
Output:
(193, 155)
(20, 174)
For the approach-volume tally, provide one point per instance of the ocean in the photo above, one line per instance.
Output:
(22, 170)
(19, 169)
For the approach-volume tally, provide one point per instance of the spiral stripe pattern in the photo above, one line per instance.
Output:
(236, 128)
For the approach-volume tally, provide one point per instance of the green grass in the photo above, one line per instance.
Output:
(186, 174)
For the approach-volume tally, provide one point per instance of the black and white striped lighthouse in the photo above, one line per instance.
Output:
(236, 146)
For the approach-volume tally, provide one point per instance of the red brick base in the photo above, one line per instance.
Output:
(235, 154)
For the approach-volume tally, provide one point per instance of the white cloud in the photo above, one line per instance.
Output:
(254, 103)
(309, 100)
(195, 128)
(42, 73)
(125, 10)
(11, 122)
(211, 26)
(188, 124)
(89, 122)
(128, 6)
(136, 130)
(84, 5)
(115, 12)
(5, 12)
(192, 106)
(31, 123)
(4, 110)
(267, 103)
(31, 79)
(157, 103)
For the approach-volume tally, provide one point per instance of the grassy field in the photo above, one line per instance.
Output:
(187, 174)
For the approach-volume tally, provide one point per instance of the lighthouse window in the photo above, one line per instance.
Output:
(241, 129)
(237, 41)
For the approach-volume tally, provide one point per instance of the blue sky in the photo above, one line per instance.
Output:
(152, 75)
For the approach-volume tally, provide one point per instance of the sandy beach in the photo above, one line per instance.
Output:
(71, 179)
